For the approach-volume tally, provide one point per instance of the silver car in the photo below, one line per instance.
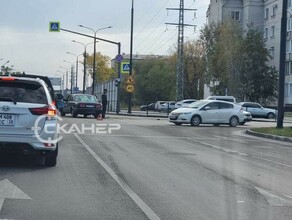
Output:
(258, 111)
(28, 118)
(208, 112)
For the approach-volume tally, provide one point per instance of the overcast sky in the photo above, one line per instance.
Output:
(26, 42)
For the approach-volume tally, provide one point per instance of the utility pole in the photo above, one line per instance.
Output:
(131, 56)
(180, 50)
(281, 98)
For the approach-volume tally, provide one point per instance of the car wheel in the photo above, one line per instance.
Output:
(271, 115)
(177, 123)
(195, 120)
(216, 125)
(51, 158)
(73, 113)
(234, 121)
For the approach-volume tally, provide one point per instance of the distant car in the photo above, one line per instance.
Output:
(184, 103)
(28, 118)
(81, 104)
(258, 111)
(208, 112)
(151, 106)
(222, 98)
(158, 105)
(168, 106)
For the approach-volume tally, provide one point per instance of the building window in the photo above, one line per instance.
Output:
(272, 52)
(273, 31)
(267, 13)
(266, 34)
(288, 68)
(235, 15)
(288, 46)
(274, 10)
(289, 24)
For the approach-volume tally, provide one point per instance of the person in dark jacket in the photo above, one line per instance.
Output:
(104, 102)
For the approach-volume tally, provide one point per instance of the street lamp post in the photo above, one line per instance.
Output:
(66, 77)
(76, 66)
(84, 61)
(94, 53)
(63, 79)
(72, 66)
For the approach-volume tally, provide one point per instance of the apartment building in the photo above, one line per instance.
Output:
(263, 15)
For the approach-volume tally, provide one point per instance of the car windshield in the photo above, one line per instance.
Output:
(21, 91)
(100, 137)
(85, 98)
(197, 104)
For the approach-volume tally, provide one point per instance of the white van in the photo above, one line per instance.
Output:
(223, 98)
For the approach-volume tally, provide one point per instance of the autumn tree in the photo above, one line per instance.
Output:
(194, 70)
(222, 43)
(103, 70)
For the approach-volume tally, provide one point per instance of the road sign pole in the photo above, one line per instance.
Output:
(119, 76)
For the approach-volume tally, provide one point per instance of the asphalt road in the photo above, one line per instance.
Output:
(147, 168)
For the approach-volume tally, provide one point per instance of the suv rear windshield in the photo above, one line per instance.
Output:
(23, 91)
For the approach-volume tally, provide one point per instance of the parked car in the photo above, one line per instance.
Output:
(208, 112)
(158, 105)
(258, 111)
(168, 106)
(151, 106)
(184, 103)
(26, 112)
(247, 117)
(83, 104)
(223, 98)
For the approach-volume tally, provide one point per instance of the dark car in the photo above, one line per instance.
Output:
(151, 106)
(81, 104)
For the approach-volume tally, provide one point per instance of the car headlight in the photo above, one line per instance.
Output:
(186, 113)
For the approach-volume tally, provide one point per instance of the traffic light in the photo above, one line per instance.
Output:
(117, 81)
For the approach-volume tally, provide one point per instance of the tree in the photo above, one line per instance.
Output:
(103, 70)
(222, 44)
(258, 81)
(155, 80)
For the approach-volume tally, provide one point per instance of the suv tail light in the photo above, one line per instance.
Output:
(7, 78)
(82, 105)
(46, 110)
(98, 106)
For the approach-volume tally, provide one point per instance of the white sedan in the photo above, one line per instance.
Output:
(208, 112)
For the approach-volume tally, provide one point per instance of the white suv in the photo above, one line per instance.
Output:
(28, 118)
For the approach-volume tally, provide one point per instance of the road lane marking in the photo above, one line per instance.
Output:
(141, 204)
(273, 199)
(9, 191)
(271, 161)
(240, 153)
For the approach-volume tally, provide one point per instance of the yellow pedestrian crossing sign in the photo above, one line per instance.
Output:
(54, 26)
(125, 67)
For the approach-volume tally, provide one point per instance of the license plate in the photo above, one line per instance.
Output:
(7, 120)
(90, 106)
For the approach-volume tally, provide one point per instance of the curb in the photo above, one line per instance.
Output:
(137, 115)
(270, 136)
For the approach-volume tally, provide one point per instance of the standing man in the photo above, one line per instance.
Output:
(104, 102)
